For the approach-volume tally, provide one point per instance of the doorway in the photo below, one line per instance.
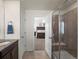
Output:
(39, 33)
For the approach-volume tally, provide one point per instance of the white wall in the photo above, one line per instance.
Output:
(1, 19)
(48, 33)
(23, 37)
(29, 32)
(12, 13)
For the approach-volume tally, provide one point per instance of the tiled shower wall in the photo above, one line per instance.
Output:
(70, 36)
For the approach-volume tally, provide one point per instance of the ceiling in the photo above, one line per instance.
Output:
(44, 4)
(40, 4)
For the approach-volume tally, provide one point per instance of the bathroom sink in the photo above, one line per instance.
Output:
(4, 43)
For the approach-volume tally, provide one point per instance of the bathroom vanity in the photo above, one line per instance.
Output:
(8, 49)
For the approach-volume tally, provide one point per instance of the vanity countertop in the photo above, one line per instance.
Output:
(6, 45)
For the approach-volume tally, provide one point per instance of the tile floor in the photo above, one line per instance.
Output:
(63, 55)
(35, 55)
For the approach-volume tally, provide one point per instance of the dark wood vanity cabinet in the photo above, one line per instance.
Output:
(14, 53)
(11, 52)
(7, 56)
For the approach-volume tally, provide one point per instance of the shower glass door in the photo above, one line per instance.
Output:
(68, 32)
(64, 25)
(55, 40)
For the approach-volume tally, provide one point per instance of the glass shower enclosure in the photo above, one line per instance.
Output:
(64, 24)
